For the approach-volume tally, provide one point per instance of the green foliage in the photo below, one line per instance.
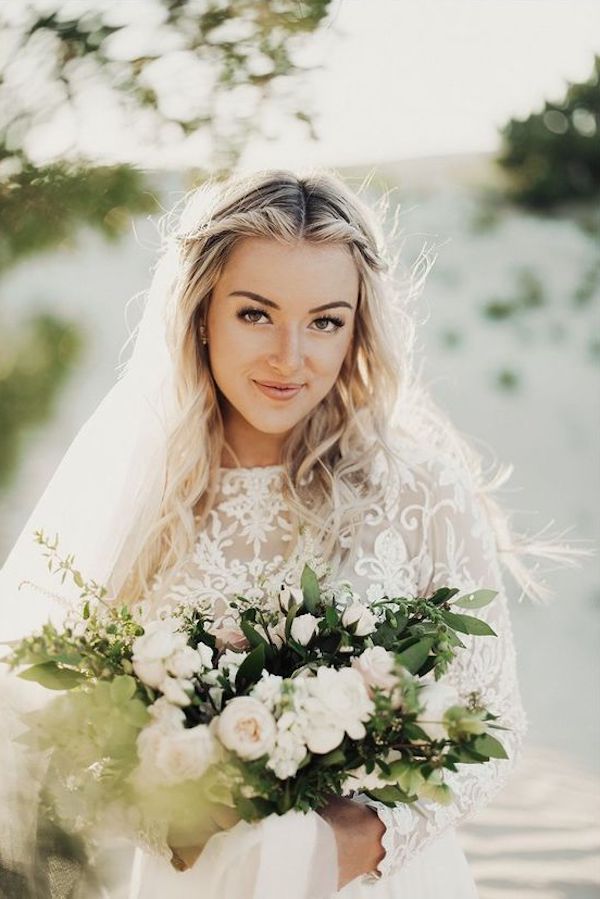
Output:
(553, 156)
(44, 207)
(34, 364)
(92, 727)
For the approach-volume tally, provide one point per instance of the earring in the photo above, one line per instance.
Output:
(203, 336)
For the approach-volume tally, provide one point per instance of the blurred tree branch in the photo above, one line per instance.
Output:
(553, 156)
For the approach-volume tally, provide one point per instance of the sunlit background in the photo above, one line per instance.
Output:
(481, 118)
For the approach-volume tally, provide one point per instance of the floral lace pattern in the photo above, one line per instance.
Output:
(431, 530)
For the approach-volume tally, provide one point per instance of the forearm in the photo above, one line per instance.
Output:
(358, 832)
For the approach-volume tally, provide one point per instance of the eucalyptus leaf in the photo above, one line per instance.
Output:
(476, 600)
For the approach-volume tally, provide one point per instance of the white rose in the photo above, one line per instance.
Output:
(176, 690)
(289, 595)
(376, 667)
(435, 699)
(303, 628)
(151, 672)
(184, 662)
(185, 755)
(338, 703)
(247, 728)
(358, 617)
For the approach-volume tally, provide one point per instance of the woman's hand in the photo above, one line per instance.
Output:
(358, 832)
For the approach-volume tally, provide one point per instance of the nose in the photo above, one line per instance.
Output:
(288, 353)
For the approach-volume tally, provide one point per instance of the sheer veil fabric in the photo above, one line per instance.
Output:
(108, 483)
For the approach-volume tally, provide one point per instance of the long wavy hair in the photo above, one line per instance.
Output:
(329, 456)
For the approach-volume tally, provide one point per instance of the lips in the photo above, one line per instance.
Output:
(279, 385)
(287, 392)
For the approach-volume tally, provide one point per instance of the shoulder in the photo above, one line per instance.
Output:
(424, 474)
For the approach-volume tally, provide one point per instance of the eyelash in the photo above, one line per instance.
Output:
(338, 322)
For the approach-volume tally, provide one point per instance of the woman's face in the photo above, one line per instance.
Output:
(267, 323)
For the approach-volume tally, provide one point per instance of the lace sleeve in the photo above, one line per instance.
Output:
(460, 551)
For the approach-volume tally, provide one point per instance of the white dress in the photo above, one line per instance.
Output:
(432, 530)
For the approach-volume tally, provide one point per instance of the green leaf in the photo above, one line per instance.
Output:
(252, 635)
(390, 793)
(53, 677)
(122, 688)
(398, 621)
(335, 757)
(310, 589)
(443, 594)
(414, 732)
(476, 600)
(332, 617)
(292, 612)
(490, 746)
(250, 670)
(468, 624)
(416, 655)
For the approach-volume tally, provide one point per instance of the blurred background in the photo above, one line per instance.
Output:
(481, 121)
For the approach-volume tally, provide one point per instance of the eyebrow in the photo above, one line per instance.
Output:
(256, 296)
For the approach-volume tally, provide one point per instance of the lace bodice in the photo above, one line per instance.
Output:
(431, 530)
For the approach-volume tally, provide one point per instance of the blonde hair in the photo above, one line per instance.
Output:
(329, 456)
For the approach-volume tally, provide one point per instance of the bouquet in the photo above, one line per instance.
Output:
(288, 697)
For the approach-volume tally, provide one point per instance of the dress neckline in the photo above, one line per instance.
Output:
(278, 467)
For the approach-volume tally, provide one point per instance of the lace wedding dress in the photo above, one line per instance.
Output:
(431, 531)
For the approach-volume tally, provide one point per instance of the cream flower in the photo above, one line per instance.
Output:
(288, 596)
(303, 628)
(359, 619)
(182, 754)
(337, 703)
(247, 727)
(376, 667)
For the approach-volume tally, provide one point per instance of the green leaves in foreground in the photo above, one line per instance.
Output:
(53, 676)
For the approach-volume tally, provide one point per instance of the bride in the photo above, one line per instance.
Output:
(270, 409)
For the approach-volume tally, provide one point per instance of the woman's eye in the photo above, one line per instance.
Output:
(327, 319)
(244, 312)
